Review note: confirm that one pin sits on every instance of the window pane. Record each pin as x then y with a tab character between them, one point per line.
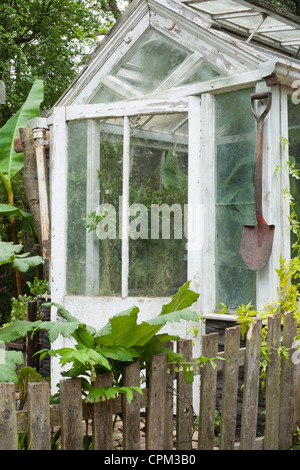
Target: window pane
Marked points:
202	74
110	179
76	196
158	175
95	154
235	159
294	157
105	95
156	58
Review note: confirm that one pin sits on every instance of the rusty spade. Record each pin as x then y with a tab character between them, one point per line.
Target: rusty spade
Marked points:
257	240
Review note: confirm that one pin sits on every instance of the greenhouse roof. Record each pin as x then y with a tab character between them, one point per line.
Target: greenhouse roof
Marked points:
255	21
189	47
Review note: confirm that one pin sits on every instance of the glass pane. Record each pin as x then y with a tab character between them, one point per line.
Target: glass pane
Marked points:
202	74
285	35
220	6
110	179
294	157
156	58
105	95
158	192
235	159
76	197
95	154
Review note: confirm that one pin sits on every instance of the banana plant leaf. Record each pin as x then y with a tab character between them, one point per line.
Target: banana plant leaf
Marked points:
10	161
172	177
27	219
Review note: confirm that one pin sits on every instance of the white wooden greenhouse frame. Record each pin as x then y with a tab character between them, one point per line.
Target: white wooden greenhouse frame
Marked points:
250	45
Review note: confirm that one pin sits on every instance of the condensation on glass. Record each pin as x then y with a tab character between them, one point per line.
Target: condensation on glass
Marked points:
235	159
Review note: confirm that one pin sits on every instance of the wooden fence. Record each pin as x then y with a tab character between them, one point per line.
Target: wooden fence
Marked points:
166	382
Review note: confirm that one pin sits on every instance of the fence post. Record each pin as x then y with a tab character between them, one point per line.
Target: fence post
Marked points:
184	414
230	387
169	408
273	383
102	416
38	416
71	414
8	417
208	383
251	386
31	343
156	402
131	411
286	423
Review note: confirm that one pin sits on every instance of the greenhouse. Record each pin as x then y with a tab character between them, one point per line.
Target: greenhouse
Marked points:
153	151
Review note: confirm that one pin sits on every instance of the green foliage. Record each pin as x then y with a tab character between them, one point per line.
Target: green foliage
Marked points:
10	253
26	375
48	40
10	161
288	274
8	361
121	341
293	6
37	289
172	176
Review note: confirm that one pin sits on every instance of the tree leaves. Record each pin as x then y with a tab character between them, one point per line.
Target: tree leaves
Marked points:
10	161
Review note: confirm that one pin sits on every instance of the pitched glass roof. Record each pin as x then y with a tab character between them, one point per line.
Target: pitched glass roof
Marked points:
255	21
156	64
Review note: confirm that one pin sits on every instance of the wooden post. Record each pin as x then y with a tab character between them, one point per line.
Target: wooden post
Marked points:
8	417
230	387
184	414
38	407
102	416
31	342
286	423
273	383
71	414
208	383
38	126
131	411
156	402
169	408
251	386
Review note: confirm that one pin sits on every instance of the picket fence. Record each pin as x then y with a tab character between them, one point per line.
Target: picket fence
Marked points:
165	384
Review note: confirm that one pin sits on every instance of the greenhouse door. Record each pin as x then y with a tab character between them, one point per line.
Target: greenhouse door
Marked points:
126	206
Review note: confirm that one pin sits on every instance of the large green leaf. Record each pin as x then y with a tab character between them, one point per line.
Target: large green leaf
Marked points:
184	298
55	329
26	217
10	161
147	330
119	330
25	262
9	254
8	361
185	314
17	330
8	251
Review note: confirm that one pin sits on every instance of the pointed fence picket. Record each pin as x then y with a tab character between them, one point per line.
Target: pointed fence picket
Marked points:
158	400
